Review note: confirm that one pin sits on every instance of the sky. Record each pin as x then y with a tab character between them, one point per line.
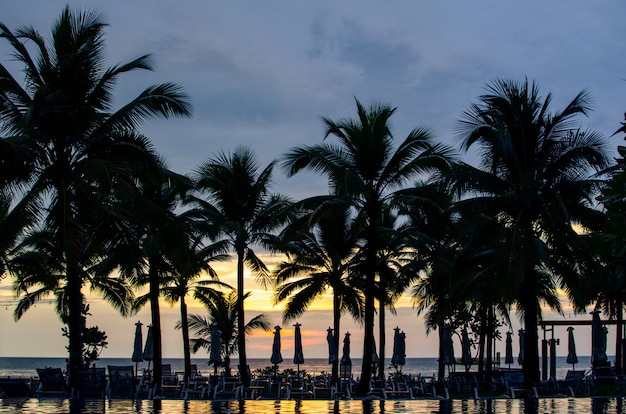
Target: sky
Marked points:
262	74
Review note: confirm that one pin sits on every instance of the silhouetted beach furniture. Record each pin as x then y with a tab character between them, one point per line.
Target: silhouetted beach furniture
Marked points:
298	388
14	388
90	383
197	387
51	382
228	388
171	385
121	382
573	380
603	376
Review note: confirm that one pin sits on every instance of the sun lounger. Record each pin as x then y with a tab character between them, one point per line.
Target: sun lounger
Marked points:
90	383
51	382
14	388
121	382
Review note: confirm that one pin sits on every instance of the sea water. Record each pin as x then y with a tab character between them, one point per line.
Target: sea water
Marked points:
26	367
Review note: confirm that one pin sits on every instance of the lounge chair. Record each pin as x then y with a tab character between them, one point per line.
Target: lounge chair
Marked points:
604	376
121	382
90	383
14	388
51	382
228	389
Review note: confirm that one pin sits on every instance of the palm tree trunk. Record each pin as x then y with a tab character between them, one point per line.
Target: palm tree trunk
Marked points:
155	311
618	336
441	367
241	325
531	339
363	387
489	340
336	327
381	337
75	323
481	351
185	329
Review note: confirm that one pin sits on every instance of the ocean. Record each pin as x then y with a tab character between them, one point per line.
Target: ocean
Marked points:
26	367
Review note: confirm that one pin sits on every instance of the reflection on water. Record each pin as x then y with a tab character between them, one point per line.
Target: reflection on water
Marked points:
560	405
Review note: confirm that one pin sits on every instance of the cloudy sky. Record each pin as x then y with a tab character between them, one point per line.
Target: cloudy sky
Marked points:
261	74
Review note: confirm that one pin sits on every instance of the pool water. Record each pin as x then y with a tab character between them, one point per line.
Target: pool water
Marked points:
559	405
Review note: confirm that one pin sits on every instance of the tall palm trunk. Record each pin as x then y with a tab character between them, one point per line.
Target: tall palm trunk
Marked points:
75	325
489	342
619	369
185	329
71	241
381	337
336	327
155	311
363	387
241	322
441	366
531	344
481	351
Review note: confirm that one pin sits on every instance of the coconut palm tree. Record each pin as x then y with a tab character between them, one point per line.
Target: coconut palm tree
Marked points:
535	174
76	143
608	287
321	259
240	208
431	231
176	286
223	311
364	169
158	244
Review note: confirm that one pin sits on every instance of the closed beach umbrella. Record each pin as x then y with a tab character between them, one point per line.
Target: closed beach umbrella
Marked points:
138	344
148	348
215	356
520	357
345	356
399	348
466	350
332	350
508	352
375	359
572	358
598	341
448	346
298	356
276	358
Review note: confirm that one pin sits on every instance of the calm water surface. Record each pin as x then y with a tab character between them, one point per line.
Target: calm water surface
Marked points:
562	405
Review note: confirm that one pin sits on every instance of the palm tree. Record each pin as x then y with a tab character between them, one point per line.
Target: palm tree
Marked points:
159	242
609	285
184	280
241	208
75	144
431	231
392	282
321	259
223	311
365	169
535	176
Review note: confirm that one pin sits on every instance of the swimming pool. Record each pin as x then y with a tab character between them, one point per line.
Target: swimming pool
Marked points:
515	406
